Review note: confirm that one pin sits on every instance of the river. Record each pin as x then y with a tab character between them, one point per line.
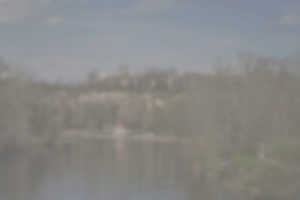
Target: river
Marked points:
104	170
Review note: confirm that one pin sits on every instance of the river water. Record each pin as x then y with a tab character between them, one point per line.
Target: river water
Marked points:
104	170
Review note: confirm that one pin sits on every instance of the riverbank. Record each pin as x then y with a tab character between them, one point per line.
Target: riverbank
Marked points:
74	135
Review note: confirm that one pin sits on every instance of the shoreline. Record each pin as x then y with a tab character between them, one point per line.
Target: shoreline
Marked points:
68	136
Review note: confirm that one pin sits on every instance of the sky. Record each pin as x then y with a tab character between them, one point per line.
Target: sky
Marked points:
67	39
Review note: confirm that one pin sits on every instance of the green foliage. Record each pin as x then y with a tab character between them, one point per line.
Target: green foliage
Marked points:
244	125
277	176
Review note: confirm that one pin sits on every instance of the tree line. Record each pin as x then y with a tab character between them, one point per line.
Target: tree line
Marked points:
243	117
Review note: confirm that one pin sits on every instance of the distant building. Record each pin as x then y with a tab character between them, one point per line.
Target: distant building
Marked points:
119	130
4	74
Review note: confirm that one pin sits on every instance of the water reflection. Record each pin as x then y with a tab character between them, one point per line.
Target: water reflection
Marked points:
108	170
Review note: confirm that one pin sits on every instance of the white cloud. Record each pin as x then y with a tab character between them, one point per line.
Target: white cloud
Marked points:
14	11
292	16
289	19
54	21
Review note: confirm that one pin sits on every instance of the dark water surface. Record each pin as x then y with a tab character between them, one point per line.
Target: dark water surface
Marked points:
104	170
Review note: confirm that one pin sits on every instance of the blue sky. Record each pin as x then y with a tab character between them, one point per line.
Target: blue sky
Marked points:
68	38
